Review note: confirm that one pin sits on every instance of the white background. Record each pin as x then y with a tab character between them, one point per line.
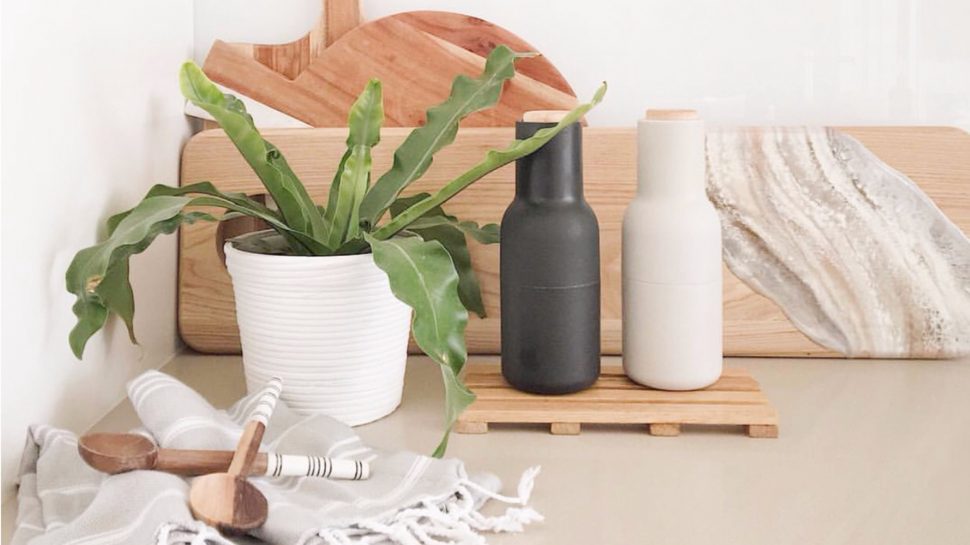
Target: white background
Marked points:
92	117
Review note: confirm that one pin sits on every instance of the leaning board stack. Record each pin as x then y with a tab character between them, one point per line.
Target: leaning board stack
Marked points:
936	158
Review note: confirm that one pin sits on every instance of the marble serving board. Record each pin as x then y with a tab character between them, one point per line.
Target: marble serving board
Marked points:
897	291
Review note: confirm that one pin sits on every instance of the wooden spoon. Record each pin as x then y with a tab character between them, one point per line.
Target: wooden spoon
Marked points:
228	501
114	453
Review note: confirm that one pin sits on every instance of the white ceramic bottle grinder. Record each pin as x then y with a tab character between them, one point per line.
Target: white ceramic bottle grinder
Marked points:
672	302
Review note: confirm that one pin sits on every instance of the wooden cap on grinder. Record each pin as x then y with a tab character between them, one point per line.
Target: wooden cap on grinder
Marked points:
672	115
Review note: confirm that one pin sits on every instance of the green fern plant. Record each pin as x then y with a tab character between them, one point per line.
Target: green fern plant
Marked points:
422	249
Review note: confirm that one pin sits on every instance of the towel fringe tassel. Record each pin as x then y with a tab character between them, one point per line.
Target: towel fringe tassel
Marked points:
191	533
455	521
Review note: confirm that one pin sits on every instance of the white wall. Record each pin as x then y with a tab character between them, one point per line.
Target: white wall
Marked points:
739	61
91	118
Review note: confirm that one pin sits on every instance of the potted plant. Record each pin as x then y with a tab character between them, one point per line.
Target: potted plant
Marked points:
337	282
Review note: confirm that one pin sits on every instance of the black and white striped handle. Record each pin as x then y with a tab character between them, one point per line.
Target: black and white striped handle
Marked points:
286	465
266	403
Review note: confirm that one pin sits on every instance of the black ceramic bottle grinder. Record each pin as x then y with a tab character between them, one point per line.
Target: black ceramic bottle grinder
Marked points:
550	274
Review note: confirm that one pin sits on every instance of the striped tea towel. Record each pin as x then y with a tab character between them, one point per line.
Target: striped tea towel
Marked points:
409	499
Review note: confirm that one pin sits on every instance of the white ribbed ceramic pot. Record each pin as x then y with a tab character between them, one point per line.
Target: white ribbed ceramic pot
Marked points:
328	326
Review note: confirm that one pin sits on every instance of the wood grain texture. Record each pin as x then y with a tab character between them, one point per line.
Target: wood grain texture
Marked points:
117	452
340	17
227	500
247	449
664	430
415	54
763	431
471	427
936	158
291	59
120	452
202	462
565	428
735	400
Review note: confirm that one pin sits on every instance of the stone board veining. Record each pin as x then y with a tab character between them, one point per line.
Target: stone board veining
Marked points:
854	253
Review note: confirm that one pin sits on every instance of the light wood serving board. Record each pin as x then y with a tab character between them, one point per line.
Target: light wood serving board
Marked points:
936	158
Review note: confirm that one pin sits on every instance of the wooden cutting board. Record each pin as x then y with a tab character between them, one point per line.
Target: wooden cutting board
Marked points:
415	54
290	59
936	158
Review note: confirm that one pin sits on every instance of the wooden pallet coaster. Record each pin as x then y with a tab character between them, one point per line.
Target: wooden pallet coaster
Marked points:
735	399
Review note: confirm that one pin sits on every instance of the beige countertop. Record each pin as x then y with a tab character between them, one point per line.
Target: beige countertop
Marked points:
870	452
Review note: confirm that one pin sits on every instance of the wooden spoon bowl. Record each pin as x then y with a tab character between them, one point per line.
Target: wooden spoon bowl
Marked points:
117	452
228	502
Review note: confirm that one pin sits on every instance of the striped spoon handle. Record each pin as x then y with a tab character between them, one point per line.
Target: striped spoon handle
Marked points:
266	403
287	465
252	434
203	462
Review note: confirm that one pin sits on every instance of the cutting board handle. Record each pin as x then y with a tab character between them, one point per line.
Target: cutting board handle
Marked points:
339	17
290	59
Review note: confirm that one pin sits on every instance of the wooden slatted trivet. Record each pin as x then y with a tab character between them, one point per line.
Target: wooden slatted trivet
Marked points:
735	399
